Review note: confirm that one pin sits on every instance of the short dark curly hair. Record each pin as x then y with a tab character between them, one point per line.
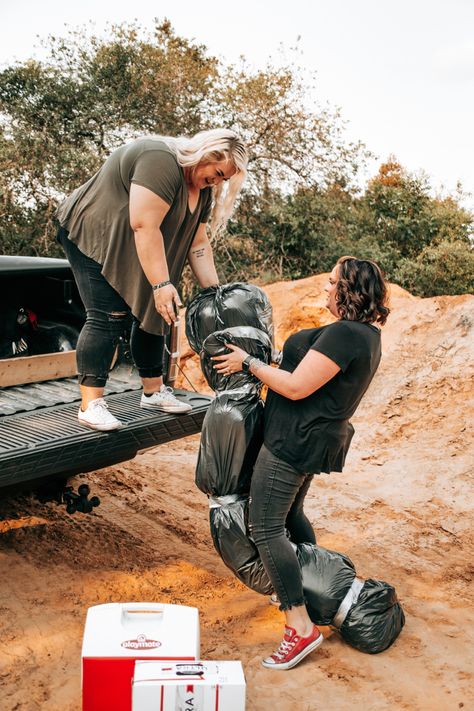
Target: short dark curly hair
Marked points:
361	291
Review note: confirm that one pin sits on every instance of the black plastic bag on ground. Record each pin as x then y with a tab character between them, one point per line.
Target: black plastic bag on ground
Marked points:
327	576
219	307
372	619
375	620
231	438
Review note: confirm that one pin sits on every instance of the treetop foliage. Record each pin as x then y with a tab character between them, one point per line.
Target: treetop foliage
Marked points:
60	118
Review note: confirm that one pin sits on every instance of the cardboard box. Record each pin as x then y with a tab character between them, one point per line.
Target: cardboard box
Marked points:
201	686
118	634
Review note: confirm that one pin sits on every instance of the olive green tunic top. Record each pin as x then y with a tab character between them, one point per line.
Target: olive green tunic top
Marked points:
96	215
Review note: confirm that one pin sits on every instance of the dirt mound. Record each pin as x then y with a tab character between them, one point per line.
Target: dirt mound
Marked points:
401	510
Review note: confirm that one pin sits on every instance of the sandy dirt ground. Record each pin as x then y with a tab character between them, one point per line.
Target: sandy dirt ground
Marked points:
402	511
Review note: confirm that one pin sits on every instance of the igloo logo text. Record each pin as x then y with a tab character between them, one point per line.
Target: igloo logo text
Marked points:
141	642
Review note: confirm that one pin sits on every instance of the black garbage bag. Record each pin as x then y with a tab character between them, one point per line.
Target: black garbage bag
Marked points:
236	547
231	438
232	431
368	614
253	340
50	337
370	622
375	620
327	576
228	305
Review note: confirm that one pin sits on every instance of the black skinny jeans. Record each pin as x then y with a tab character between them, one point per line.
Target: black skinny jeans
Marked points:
107	319
277	494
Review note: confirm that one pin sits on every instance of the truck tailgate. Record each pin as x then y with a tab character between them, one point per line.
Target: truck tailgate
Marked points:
46	439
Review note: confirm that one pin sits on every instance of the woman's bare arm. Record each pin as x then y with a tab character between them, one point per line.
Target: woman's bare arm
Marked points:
201	259
314	371
147	211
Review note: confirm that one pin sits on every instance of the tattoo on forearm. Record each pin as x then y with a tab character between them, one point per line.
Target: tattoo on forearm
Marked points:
198	252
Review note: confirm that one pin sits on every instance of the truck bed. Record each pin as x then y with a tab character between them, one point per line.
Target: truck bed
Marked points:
40	435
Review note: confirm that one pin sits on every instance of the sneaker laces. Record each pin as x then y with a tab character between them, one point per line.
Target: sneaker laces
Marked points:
168	394
99	405
286	645
101	409
166	390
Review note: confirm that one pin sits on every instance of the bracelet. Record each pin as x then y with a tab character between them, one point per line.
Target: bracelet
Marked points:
256	364
162	283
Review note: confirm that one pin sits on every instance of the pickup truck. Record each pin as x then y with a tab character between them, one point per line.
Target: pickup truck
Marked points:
41	315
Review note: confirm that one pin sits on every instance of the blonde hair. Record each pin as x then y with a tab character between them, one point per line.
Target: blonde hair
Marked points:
214	145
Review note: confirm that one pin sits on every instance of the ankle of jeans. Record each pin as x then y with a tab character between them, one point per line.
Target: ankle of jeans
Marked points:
150	372
92	381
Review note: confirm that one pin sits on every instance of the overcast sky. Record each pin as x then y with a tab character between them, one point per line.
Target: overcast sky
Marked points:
401	72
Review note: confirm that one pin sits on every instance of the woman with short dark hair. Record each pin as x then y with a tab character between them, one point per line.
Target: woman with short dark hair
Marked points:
322	377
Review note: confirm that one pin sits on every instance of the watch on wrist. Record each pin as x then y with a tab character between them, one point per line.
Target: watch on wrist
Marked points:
246	363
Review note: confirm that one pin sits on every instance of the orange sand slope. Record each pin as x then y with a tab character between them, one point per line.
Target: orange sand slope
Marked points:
401	510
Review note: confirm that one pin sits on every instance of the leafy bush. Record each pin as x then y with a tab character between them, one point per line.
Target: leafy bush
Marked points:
444	268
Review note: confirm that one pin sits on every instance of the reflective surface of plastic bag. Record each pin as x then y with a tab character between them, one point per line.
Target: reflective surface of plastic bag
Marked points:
375	620
252	340
327	576
236	547
225	306
231	437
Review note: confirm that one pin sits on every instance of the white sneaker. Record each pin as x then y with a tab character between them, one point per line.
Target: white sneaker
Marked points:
165	401
98	417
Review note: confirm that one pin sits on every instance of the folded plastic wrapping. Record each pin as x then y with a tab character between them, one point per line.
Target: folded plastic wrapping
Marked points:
327	576
228	305
236	547
252	340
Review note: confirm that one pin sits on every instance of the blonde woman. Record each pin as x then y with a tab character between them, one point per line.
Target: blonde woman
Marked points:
127	233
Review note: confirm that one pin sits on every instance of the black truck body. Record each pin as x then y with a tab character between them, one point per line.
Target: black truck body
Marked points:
41	315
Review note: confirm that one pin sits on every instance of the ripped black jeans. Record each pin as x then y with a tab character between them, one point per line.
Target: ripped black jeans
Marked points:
277	494
107	318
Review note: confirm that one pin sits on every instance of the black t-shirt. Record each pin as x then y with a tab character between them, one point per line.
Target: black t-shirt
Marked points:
313	434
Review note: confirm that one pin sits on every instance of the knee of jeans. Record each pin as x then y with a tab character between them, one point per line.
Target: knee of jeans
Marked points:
263	530
118	316
107	320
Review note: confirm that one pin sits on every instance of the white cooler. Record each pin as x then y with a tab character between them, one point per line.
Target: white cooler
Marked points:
200	686
118	634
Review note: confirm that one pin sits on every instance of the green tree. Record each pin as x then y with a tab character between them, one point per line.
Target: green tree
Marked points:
291	142
396	222
398	209
61	118
446	267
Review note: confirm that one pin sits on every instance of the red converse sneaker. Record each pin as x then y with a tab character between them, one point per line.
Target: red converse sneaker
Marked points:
293	649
